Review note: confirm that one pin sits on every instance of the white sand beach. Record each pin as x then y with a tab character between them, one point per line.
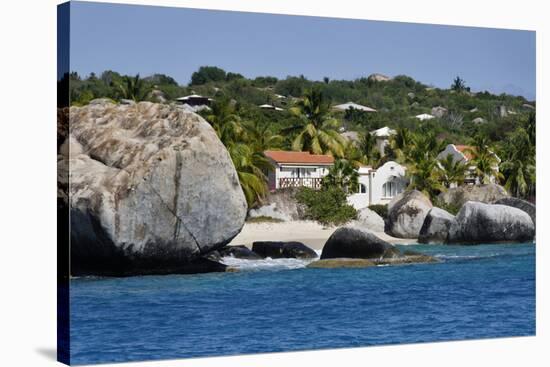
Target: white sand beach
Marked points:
310	233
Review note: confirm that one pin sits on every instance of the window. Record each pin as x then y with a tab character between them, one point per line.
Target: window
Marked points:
389	189
362	188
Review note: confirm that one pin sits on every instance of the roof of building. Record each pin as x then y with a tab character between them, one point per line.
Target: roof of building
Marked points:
466	150
270	107
281	156
192	96
383	132
424	116
356	106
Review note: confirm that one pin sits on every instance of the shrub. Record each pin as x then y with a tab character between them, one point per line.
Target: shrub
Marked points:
451	208
327	206
380	209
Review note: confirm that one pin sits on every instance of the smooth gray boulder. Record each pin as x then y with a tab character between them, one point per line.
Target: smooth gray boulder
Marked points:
526	206
354	242
483	193
406	214
369	219
151	188
281	249
479	222
436	226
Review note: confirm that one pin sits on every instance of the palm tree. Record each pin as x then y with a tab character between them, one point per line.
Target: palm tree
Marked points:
485	161
342	175
250	167
520	177
518	167
367	147
226	122
401	143
425	176
452	171
316	129
134	88
261	136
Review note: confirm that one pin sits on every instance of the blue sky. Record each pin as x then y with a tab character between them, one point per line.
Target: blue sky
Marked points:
176	41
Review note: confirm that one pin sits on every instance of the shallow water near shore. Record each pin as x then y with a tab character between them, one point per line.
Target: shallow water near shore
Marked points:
481	291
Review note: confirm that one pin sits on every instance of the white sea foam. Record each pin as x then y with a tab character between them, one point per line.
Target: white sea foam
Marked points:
266	264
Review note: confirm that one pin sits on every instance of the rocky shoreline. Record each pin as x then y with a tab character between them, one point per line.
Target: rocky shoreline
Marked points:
139	204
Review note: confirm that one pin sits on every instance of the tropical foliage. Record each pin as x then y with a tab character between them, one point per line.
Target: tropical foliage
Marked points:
306	122
316	130
343	176
327	206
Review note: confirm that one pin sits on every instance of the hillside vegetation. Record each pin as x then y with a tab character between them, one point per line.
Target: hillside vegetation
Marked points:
503	124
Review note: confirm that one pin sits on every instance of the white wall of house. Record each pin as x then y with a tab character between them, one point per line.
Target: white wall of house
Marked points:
379	186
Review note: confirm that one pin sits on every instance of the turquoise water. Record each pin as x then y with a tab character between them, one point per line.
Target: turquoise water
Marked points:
480	291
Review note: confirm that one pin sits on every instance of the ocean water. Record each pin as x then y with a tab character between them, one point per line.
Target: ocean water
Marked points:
482	291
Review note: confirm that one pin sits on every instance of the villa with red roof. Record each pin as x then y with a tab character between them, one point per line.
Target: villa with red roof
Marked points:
464	153
303	169
296	169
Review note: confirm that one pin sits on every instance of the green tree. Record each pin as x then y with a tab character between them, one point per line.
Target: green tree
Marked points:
342	175
250	167
459	84
207	74
134	88
452	171
485	160
316	128
225	120
425	176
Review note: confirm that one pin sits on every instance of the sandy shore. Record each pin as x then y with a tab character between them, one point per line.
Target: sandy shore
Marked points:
310	233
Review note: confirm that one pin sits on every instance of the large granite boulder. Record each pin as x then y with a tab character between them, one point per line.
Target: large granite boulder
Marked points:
482	193
369	219
151	188
355	242
280	249
526	206
436	226
479	222
406	214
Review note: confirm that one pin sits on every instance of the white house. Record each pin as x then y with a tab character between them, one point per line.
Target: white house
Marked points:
463	153
296	169
355	106
425	116
269	107
303	169
379	186
383	138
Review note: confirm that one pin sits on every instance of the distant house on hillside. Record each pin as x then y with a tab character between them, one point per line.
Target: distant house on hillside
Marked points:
379	186
424	116
464	153
195	100
346	106
382	136
270	107
297	169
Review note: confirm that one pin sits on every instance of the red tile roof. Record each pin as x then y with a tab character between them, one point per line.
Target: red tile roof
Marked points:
466	150
281	156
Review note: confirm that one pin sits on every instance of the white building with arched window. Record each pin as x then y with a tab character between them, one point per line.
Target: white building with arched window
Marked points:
379	186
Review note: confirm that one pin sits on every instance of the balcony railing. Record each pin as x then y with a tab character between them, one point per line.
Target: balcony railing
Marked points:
314	183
